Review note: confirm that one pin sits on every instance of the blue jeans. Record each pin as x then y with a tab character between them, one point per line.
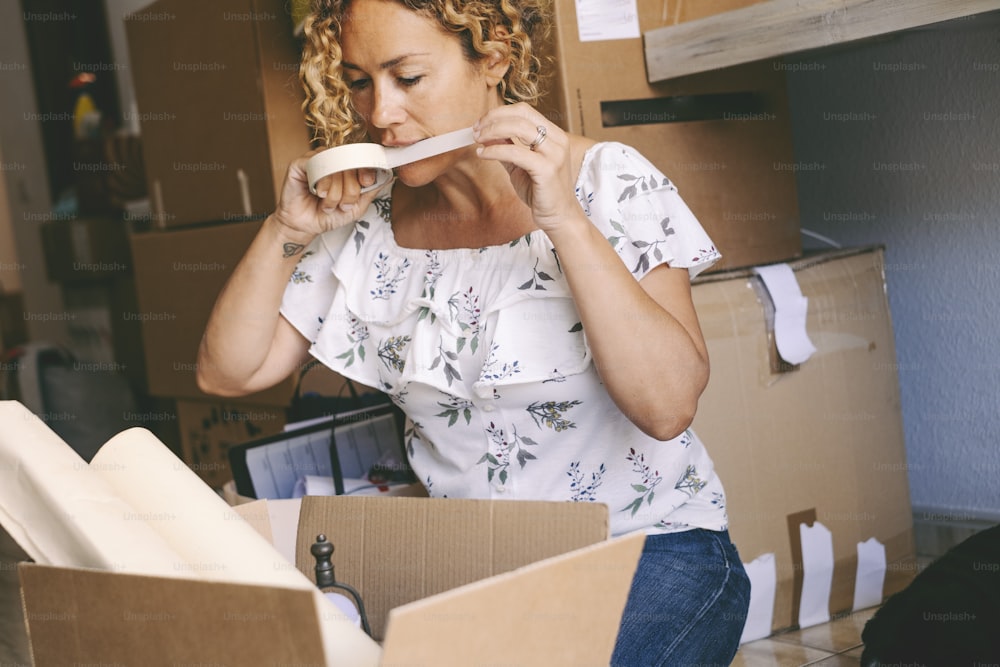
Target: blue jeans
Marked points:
687	605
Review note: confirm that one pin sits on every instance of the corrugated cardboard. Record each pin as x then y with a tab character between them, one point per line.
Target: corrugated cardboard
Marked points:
564	609
90	617
680	11
821	440
561	611
397	550
178	275
219	104
737	173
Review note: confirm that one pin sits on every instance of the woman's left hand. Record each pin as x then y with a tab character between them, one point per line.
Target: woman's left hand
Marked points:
537	156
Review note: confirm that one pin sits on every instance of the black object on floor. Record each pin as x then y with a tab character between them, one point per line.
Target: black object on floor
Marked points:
948	616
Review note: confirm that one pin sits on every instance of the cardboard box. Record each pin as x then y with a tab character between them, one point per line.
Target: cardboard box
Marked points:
219	104
459	580
178	276
724	138
209	428
681	11
819	441
179	273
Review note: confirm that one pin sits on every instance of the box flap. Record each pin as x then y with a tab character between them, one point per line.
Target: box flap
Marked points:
564	610
397	550
256	513
77	616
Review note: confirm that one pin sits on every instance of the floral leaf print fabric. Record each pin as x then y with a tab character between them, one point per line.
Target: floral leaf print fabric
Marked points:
446	359
495	370
583	488
551	414
498	456
389	275
638	224
486	353
356	336
690	483
465	310
537	280
454	408
646	487
300	275
390	351
431	275
647	183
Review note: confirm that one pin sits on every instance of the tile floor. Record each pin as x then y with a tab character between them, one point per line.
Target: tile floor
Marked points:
833	644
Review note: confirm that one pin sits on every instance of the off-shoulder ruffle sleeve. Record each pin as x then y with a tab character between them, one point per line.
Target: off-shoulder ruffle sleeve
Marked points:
311	288
453	319
641	213
471	321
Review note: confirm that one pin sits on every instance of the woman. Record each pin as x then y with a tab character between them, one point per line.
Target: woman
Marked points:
525	300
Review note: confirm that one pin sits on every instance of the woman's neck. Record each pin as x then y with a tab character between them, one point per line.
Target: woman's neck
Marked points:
472	205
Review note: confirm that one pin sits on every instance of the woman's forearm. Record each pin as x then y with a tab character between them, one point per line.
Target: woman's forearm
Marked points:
644	337
245	346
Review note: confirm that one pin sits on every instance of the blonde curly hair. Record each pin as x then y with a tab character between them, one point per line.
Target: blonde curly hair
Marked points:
477	23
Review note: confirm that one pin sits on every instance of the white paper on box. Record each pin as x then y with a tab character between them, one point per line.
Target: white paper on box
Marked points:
284	517
208	533
61	512
817	574
790	309
763	573
870	575
599	20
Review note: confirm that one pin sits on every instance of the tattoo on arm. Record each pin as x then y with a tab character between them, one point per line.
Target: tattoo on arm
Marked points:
291	249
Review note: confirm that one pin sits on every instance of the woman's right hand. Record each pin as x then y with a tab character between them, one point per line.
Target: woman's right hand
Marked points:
338	202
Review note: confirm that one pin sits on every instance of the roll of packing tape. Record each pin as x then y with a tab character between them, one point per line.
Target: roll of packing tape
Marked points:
380	158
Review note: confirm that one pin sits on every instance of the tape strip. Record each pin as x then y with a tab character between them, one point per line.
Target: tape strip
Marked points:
381	158
790	311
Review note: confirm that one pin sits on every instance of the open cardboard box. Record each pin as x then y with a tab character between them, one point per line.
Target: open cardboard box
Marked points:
445	582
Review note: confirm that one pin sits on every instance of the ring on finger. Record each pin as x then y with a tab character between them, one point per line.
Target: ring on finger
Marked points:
539	138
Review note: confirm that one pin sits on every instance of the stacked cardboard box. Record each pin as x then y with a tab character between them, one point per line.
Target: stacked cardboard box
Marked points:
219	104
724	138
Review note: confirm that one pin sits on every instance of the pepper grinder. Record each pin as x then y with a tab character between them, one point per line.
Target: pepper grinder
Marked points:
322	551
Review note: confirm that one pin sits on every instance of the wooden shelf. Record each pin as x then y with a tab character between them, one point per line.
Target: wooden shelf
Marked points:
778	27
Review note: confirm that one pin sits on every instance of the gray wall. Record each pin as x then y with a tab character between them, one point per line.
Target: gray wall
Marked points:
906	135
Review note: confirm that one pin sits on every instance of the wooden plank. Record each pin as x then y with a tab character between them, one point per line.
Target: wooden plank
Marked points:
779	27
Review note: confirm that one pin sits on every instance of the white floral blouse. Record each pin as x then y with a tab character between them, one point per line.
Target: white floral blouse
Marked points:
484	351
